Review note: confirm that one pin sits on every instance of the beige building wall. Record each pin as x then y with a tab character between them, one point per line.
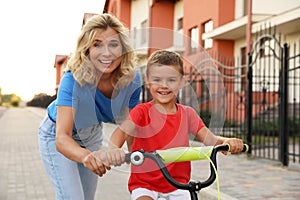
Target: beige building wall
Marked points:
139	17
273	7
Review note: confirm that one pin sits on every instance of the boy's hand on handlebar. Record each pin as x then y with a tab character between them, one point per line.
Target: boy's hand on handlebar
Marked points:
236	145
97	162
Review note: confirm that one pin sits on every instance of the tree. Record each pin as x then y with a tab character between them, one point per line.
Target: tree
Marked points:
41	100
15	100
10	100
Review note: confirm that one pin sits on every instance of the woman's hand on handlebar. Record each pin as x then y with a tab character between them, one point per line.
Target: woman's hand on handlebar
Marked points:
100	161
115	156
236	145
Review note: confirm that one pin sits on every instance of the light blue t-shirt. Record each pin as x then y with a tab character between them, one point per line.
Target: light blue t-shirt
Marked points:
91	105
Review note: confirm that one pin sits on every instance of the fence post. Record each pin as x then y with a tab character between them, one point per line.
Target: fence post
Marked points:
249	104
283	115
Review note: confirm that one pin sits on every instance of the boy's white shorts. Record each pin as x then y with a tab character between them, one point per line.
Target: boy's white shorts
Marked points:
175	195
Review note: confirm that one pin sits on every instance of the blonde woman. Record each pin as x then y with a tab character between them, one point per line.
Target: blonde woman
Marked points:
99	85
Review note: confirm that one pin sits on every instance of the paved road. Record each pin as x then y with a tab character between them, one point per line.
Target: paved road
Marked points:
22	176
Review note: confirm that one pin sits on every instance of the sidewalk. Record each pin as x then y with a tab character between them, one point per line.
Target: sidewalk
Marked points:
22	175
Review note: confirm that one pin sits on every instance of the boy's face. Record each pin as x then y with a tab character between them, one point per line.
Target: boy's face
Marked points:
164	82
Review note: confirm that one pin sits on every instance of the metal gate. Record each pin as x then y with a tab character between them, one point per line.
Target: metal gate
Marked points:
273	100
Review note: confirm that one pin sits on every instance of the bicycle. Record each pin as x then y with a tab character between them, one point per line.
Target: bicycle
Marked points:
180	154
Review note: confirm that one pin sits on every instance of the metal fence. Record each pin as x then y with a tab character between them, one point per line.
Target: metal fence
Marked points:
291	105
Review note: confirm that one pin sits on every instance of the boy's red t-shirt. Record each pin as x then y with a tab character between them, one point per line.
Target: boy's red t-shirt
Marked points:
157	131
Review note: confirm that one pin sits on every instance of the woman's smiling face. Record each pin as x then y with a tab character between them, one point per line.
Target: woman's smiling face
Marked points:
106	50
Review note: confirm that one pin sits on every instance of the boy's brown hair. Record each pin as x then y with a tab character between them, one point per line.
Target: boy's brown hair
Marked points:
165	57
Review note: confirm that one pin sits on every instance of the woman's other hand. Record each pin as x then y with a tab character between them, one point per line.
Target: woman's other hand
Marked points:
97	162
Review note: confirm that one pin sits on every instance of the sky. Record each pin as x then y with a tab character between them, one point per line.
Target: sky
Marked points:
32	33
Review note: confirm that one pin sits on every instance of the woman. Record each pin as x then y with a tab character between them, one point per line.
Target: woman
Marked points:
99	85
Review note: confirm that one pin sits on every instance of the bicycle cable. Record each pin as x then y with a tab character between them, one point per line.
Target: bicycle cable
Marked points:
217	176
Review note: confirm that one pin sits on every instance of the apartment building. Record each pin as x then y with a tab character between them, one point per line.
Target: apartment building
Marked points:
214	24
191	26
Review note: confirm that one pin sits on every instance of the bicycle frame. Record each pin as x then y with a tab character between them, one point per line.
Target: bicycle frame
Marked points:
181	154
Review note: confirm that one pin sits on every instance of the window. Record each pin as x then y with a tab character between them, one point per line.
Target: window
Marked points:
266	47
194	42
207	27
144	32
178	36
244	69
245	7
179	24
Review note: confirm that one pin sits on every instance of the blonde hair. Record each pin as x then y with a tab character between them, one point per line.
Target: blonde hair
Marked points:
79	63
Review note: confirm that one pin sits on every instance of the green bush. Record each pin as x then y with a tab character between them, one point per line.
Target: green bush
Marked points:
272	126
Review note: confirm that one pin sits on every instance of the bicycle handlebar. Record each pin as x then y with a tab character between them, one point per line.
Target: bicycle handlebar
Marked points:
180	154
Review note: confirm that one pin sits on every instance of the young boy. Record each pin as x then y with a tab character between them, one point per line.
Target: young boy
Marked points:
162	124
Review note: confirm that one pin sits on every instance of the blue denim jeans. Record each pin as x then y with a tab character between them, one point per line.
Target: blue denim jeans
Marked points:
71	180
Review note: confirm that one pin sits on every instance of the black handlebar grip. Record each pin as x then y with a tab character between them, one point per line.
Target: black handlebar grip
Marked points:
127	158
246	148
